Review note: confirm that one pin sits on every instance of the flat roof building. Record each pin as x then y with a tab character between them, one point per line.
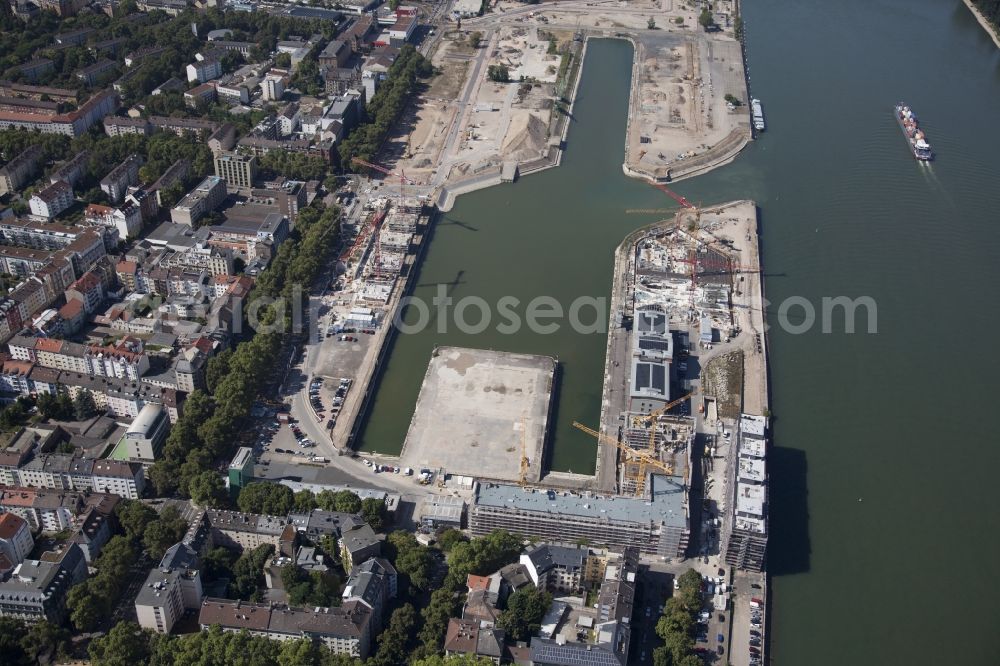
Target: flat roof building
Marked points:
656	525
237	169
744	538
241	468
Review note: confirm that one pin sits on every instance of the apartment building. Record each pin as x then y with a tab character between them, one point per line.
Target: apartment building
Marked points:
170	589
123	360
18	172
52	200
92	74
745	532
236	169
125	219
555	568
343	630
36	590
204	70
122	177
72	170
73	123
206	197
15	539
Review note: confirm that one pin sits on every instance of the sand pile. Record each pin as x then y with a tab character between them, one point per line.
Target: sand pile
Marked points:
526	137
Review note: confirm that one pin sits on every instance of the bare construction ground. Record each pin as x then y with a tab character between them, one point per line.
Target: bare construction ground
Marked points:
681	122
477	409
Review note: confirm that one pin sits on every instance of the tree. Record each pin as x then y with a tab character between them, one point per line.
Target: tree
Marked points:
164	532
481	555
86	607
127	644
84	406
346	502
524	612
373	511
680	646
705	19
207	489
450	538
498	73
393	642
134	516
218	367
304	501
13	415
266	497
283	60
475	39
53	406
248	572
12	632
661	657
444	605
410	558
651	23
218	563
452	660
689	588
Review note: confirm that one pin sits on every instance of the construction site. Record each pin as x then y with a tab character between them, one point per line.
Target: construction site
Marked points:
383	241
482	414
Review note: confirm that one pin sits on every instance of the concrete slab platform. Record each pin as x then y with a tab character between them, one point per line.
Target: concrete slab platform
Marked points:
474	409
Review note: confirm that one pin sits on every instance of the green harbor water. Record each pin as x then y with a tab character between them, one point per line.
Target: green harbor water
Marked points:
883	504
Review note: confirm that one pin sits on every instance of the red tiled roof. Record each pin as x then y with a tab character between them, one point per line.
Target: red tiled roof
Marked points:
72	309
48	345
9	525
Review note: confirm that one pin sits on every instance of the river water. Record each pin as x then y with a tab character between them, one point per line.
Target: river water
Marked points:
883	493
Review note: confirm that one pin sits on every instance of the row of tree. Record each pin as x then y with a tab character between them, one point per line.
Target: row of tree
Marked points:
381	112
210	425
278	500
677	623
129	645
57	406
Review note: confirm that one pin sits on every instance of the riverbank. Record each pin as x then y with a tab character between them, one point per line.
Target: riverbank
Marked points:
991	30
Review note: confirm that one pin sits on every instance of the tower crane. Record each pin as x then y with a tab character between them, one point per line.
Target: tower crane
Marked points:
655	414
644	459
651	418
524	455
403	180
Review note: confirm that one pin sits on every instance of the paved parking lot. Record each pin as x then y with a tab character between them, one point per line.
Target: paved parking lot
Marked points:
748	586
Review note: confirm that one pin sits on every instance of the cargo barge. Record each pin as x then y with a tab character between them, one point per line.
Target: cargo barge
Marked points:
757	111
914	135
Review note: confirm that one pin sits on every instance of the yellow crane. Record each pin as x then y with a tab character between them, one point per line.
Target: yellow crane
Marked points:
641	457
652	416
524	454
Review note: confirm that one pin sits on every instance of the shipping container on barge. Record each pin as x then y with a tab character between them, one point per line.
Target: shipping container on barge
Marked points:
914	135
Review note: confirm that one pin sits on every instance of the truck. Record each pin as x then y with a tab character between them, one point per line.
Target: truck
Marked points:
320	459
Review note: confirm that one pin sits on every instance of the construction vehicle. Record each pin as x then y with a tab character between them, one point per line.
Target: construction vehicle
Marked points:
641	457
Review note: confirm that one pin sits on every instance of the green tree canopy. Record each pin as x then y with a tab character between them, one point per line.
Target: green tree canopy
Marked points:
524	612
266	497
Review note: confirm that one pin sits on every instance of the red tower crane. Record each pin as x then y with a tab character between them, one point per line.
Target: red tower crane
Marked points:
403	180
676	197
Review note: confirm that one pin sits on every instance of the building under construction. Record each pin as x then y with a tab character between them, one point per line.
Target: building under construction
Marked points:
744	537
